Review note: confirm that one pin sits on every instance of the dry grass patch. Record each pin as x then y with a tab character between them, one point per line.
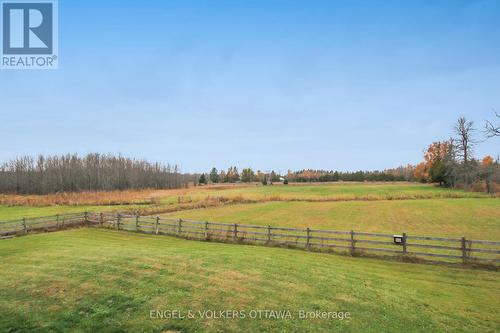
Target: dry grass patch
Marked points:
102	198
81	198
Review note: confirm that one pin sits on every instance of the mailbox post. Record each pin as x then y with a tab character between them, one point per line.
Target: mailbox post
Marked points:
399	239
405	250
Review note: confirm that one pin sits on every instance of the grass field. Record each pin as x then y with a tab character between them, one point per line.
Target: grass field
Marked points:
150	201
473	218
371	207
340	191
100	280
89	280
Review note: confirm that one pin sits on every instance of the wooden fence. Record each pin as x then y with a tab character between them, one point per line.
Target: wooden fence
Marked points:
45	223
352	242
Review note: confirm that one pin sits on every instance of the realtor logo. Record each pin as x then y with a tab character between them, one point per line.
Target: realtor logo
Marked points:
29	34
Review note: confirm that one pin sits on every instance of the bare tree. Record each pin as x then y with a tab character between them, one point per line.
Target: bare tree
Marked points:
490	129
94	172
464	145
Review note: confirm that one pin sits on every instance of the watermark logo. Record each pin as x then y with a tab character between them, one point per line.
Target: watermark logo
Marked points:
29	34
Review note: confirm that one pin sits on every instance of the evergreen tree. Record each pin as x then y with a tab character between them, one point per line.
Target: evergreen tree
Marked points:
214	176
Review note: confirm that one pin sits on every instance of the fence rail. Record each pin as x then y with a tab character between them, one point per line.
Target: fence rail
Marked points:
352	242
44	223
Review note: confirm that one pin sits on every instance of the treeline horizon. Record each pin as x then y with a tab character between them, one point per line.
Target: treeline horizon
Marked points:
46	174
248	175
92	172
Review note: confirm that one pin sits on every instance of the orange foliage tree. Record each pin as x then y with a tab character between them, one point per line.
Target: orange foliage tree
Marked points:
434	166
487	161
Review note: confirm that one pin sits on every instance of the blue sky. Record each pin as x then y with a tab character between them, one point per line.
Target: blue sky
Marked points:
269	84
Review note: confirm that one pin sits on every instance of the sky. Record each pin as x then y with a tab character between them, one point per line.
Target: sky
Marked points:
267	84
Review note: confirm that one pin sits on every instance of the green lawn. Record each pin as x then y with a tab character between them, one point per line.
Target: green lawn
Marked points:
346	191
89	280
473	218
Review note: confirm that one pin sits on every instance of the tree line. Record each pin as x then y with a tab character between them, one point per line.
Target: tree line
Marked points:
449	163
93	172
233	175
398	174
247	175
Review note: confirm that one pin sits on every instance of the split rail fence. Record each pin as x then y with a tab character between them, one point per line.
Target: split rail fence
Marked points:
352	242
46	223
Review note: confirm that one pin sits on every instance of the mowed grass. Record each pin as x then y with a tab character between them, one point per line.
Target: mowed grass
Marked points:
473	218
90	280
340	191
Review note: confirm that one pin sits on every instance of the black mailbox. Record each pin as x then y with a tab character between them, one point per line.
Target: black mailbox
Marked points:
399	239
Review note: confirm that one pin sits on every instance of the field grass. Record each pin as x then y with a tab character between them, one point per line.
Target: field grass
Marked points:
320	191
339	191
473	218
89	280
377	207
82	198
8	213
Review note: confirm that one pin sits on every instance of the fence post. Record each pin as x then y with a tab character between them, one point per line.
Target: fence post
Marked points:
405	250
157	224
101	219
308	242
269	234
180	227
57	221
118	217
137	222
24	226
86	218
464	250
235	232
206	230
353	243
